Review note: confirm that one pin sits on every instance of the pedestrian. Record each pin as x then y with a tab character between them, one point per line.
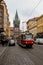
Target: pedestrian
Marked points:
2	42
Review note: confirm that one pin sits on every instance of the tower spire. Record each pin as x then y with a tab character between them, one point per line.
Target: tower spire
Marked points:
16	17
16	24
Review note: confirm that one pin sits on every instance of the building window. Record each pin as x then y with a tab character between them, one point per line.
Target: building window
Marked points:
1	15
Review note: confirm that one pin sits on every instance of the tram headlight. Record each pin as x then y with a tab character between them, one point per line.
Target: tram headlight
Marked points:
26	42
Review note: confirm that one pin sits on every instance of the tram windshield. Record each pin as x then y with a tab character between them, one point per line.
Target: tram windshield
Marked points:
27	36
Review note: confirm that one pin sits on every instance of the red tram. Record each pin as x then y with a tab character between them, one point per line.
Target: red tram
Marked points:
25	40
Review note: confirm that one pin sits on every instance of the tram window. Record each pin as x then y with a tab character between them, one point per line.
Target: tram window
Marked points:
29	37
23	37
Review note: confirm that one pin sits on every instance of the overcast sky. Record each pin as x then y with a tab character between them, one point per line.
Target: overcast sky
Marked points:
26	9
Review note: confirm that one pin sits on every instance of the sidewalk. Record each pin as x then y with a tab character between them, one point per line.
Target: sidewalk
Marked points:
2	49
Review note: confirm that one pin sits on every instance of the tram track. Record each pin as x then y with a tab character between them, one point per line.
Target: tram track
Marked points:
35	55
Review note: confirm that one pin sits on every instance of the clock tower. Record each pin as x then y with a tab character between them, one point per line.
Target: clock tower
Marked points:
16	23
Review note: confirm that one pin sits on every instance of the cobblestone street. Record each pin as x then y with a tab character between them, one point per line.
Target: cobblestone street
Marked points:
16	55
21	32
2	49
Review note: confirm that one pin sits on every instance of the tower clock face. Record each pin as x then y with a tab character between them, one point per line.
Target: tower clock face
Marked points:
1	0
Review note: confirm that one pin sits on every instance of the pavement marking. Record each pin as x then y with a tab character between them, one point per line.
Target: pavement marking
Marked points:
2	51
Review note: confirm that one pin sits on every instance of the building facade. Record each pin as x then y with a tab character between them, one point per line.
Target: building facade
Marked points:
32	26
4	18
35	25
11	31
16	23
40	24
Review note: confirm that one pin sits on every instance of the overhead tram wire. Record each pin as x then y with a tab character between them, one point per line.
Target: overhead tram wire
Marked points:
35	8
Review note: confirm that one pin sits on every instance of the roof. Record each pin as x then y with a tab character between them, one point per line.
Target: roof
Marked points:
35	19
16	17
40	17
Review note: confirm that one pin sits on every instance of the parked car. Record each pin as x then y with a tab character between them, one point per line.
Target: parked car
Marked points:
11	42
39	38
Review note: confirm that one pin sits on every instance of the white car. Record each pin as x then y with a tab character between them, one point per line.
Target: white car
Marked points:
39	40
11	42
